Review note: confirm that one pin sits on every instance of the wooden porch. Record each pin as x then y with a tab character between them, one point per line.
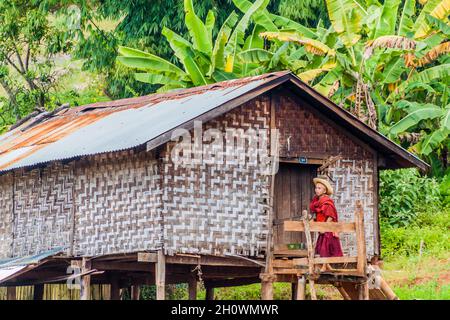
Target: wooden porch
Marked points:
353	276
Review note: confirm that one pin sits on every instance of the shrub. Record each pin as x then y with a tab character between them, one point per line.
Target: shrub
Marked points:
404	193
430	227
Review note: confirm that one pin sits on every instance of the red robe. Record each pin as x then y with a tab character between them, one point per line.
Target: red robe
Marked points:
327	244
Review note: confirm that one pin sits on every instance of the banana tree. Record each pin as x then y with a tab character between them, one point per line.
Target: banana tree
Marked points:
202	59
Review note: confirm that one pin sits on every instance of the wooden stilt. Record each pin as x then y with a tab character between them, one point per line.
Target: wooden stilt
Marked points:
310	248
192	288
115	288
11	293
38	292
267	290
386	289
360	239
363	291
209	293
85	293
342	291
312	290
294	286
160	276
135	292
301	288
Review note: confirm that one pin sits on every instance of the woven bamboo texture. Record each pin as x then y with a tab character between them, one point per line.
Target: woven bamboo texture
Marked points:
43	200
220	208
118	202
6	215
130	201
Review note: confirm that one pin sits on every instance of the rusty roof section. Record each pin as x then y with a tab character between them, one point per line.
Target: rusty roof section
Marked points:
127	123
31	142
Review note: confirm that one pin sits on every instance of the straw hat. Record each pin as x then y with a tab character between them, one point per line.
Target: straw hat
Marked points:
323	180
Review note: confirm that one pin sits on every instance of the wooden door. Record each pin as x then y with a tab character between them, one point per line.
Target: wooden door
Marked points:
293	192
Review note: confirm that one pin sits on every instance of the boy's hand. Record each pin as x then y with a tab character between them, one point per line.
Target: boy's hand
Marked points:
335	234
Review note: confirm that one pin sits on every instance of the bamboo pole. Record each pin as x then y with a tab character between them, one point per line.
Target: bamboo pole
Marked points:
360	240
135	292
309	245
301	288
192	288
85	293
209	293
160	276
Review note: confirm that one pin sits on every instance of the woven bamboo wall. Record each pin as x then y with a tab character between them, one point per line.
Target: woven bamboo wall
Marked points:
353	175
6	215
118	201
130	201
219	209
42	209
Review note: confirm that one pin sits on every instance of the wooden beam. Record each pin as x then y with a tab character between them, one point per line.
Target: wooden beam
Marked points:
267	286
135	292
320	226
342	291
38	292
85	293
360	239
192	288
386	289
301	288
160	276
123	266
11	293
310	248
294	286
319	260
115	288
209	293
231	282
363	291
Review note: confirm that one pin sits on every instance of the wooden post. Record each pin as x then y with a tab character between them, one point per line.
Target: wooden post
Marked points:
363	291
209	293
294	286
85	293
301	288
160	276
115	288
266	286
192	288
38	292
386	289
11	293
360	239
310	248
342	291
135	292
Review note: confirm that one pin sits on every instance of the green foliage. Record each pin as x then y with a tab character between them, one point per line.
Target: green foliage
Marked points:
30	36
404	193
430	290
377	60
405	241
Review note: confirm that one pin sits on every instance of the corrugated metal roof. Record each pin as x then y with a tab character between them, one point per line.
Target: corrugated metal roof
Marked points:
115	125
31	259
11	267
